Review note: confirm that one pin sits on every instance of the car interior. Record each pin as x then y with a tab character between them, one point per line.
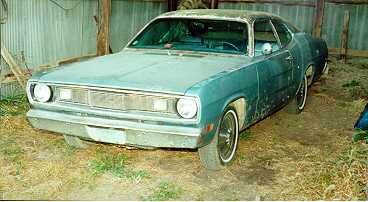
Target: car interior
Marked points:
263	33
199	35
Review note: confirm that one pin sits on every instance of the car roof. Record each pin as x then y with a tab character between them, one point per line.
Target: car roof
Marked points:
220	14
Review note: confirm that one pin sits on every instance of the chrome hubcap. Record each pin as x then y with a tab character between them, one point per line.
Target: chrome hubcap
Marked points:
300	97
227	136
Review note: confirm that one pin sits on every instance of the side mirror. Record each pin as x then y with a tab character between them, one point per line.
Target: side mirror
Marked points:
266	49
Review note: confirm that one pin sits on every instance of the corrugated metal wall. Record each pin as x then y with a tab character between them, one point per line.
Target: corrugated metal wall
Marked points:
303	18
129	16
358	25
43	31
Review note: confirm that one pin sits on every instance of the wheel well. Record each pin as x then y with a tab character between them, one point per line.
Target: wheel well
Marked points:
239	106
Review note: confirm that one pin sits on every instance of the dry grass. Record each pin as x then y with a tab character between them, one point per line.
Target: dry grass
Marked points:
344	177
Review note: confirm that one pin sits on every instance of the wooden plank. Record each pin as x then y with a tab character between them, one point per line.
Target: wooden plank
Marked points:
318	18
284	3
347	1
73	59
214	4
49	66
350	52
345	36
103	34
172	5
22	80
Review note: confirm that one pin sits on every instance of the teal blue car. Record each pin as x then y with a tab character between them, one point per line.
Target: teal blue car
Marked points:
189	79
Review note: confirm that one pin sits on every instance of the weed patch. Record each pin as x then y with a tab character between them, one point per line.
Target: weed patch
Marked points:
12	106
245	135
361	135
243	158
117	165
164	192
137	176
352	84
106	162
13	155
275	139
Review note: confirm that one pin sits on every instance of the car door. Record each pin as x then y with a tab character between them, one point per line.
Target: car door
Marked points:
274	69
286	39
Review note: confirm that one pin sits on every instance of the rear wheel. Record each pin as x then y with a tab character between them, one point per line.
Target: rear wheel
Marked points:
298	103
223	146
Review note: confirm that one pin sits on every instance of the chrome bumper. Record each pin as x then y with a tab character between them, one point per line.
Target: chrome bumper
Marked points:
115	130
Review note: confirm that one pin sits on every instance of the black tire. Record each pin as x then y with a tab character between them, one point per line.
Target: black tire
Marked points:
215	155
297	104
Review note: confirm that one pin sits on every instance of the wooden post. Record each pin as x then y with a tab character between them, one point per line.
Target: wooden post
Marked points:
214	4
318	18
22	80
172	5
103	33
348	1
345	36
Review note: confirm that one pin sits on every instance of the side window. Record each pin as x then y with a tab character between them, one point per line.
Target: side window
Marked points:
283	32
263	33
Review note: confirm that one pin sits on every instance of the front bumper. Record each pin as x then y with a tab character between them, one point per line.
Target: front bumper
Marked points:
117	131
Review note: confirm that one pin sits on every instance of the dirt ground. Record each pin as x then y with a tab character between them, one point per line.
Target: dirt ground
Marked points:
284	157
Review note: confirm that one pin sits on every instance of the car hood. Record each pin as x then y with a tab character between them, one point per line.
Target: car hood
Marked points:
144	70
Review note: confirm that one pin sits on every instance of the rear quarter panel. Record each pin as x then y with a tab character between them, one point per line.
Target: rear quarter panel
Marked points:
312	51
320	54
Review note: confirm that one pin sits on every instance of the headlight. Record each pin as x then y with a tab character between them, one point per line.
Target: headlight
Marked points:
42	92
187	108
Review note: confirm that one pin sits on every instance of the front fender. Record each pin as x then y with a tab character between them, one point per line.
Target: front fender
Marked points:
218	92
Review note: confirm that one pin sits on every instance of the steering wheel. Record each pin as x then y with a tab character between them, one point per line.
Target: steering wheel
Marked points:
227	44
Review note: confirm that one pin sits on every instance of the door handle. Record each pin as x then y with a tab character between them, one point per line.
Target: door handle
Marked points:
289	58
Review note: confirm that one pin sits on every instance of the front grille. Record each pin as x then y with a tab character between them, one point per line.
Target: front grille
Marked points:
116	100
107	100
80	96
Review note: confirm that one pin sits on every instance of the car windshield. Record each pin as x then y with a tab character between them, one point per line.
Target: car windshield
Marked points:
194	35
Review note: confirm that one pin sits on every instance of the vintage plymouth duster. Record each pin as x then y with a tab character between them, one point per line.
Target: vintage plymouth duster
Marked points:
188	79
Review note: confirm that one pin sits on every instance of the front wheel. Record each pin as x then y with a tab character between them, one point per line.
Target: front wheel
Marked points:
298	102
222	148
